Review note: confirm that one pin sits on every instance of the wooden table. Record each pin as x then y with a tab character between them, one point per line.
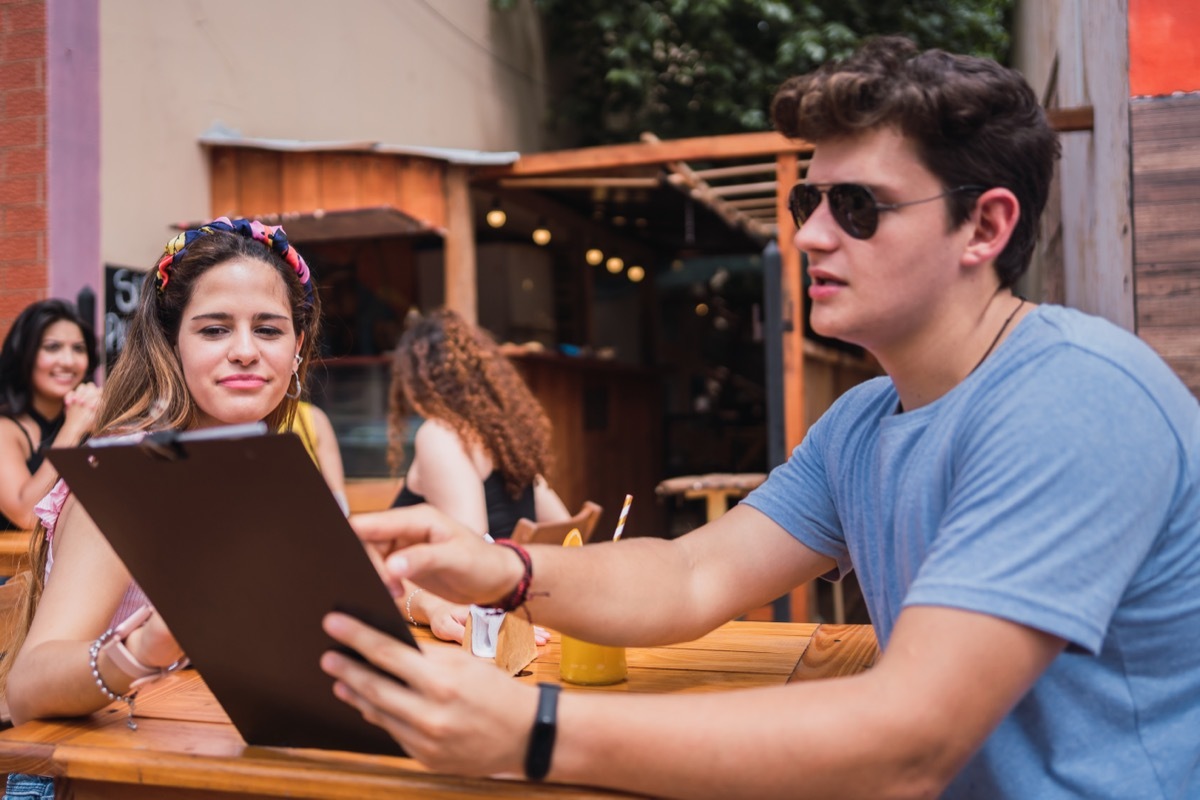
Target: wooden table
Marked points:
185	746
716	489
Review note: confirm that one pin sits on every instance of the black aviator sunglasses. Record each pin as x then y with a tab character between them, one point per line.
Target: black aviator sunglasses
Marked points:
853	205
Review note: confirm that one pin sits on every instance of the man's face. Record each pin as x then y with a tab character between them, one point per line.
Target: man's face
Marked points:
880	292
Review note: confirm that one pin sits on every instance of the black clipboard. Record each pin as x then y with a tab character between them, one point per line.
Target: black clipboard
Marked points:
236	539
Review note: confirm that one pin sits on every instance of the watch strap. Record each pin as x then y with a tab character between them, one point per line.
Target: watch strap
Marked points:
545	728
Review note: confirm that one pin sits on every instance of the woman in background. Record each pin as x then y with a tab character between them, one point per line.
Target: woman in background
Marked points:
483	446
46	399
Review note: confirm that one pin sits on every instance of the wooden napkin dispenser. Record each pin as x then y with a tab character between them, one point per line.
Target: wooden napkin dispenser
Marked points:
507	639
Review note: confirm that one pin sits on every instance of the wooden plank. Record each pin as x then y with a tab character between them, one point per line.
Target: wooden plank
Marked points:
1166	247
792	297
1172	343
261	182
300	184
706	148
339	180
225	183
421	190
837	651
1170	299
1164	118
460	247
378	180
1067	120
1164	156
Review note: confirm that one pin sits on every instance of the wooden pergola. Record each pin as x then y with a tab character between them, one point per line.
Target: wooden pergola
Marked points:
325	190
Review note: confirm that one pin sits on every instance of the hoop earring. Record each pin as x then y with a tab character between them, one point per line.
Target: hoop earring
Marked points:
295	373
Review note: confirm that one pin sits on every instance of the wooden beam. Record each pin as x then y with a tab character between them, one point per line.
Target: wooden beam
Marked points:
792	297
1066	120
461	291
707	148
739	171
580	182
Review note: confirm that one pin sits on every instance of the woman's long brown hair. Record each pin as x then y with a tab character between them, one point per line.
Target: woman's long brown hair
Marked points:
448	370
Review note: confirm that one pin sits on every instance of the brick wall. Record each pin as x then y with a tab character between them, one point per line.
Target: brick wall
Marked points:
23	122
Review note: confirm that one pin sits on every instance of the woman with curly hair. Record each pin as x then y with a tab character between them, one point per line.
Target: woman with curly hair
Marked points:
482	449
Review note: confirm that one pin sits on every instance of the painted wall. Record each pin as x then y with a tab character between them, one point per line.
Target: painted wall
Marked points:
416	72
1163	57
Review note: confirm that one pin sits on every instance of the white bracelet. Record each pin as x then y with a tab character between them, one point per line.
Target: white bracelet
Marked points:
94	663
408	606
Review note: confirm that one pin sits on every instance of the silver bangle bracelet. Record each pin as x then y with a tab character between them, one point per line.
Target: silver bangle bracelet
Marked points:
408	606
94	663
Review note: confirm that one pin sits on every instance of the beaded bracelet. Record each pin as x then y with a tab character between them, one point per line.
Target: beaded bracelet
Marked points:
94	663
521	593
112	642
408	607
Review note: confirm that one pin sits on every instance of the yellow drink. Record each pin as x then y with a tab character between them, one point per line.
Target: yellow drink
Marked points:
586	663
591	664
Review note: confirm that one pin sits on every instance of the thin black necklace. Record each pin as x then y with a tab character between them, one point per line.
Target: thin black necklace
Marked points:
999	333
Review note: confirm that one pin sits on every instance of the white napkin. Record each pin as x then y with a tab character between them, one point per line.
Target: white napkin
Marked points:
485	630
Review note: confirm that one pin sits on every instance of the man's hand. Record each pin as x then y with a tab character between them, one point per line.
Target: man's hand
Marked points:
423	545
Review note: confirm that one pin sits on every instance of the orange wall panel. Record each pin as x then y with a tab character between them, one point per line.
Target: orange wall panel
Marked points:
1164	46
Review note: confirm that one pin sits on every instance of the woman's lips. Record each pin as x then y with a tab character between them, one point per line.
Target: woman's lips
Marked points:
243	381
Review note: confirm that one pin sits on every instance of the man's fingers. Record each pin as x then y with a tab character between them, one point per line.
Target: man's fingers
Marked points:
381	650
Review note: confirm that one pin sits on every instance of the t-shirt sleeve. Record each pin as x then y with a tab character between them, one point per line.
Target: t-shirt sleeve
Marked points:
798	497
1054	504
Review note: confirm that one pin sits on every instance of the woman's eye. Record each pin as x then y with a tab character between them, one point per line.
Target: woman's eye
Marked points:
212	330
269	331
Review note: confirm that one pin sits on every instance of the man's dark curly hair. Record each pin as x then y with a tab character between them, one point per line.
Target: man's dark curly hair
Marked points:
973	121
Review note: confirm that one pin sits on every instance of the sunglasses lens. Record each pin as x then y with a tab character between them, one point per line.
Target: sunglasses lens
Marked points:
854	208
802	202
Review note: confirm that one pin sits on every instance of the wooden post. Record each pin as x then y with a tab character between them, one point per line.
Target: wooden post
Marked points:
792	296
461	288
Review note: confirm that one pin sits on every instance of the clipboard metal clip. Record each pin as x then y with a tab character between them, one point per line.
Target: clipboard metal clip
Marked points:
164	445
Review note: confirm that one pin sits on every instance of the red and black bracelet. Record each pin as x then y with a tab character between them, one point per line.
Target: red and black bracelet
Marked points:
520	594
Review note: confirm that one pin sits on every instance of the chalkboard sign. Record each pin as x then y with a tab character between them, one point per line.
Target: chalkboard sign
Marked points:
122	287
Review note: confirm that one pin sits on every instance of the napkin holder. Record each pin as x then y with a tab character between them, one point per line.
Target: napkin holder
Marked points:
507	639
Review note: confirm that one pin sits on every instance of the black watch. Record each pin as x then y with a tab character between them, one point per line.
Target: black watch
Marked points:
541	738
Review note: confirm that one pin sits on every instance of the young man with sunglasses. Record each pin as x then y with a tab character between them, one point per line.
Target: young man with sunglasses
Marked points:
1020	496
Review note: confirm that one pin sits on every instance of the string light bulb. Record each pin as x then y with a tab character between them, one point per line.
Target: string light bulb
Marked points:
614	264
636	273
495	216
541	234
594	256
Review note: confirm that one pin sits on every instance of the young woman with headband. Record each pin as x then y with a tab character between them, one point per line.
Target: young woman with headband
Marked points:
221	336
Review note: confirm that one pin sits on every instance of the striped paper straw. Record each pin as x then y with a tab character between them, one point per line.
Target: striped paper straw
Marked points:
621	519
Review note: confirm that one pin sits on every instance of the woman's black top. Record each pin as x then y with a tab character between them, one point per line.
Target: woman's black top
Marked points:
49	429
502	510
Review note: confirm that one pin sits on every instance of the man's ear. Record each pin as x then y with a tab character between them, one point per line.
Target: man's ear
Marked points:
993	222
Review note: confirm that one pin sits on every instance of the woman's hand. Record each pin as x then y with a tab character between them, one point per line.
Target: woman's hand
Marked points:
451	711
153	644
80	406
447	621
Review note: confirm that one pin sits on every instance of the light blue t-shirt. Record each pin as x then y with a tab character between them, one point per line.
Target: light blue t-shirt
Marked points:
1057	486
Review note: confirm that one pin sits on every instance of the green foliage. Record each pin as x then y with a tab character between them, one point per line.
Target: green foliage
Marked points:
703	67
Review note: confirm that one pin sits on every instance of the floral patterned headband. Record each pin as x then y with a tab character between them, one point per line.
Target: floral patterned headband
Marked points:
272	236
